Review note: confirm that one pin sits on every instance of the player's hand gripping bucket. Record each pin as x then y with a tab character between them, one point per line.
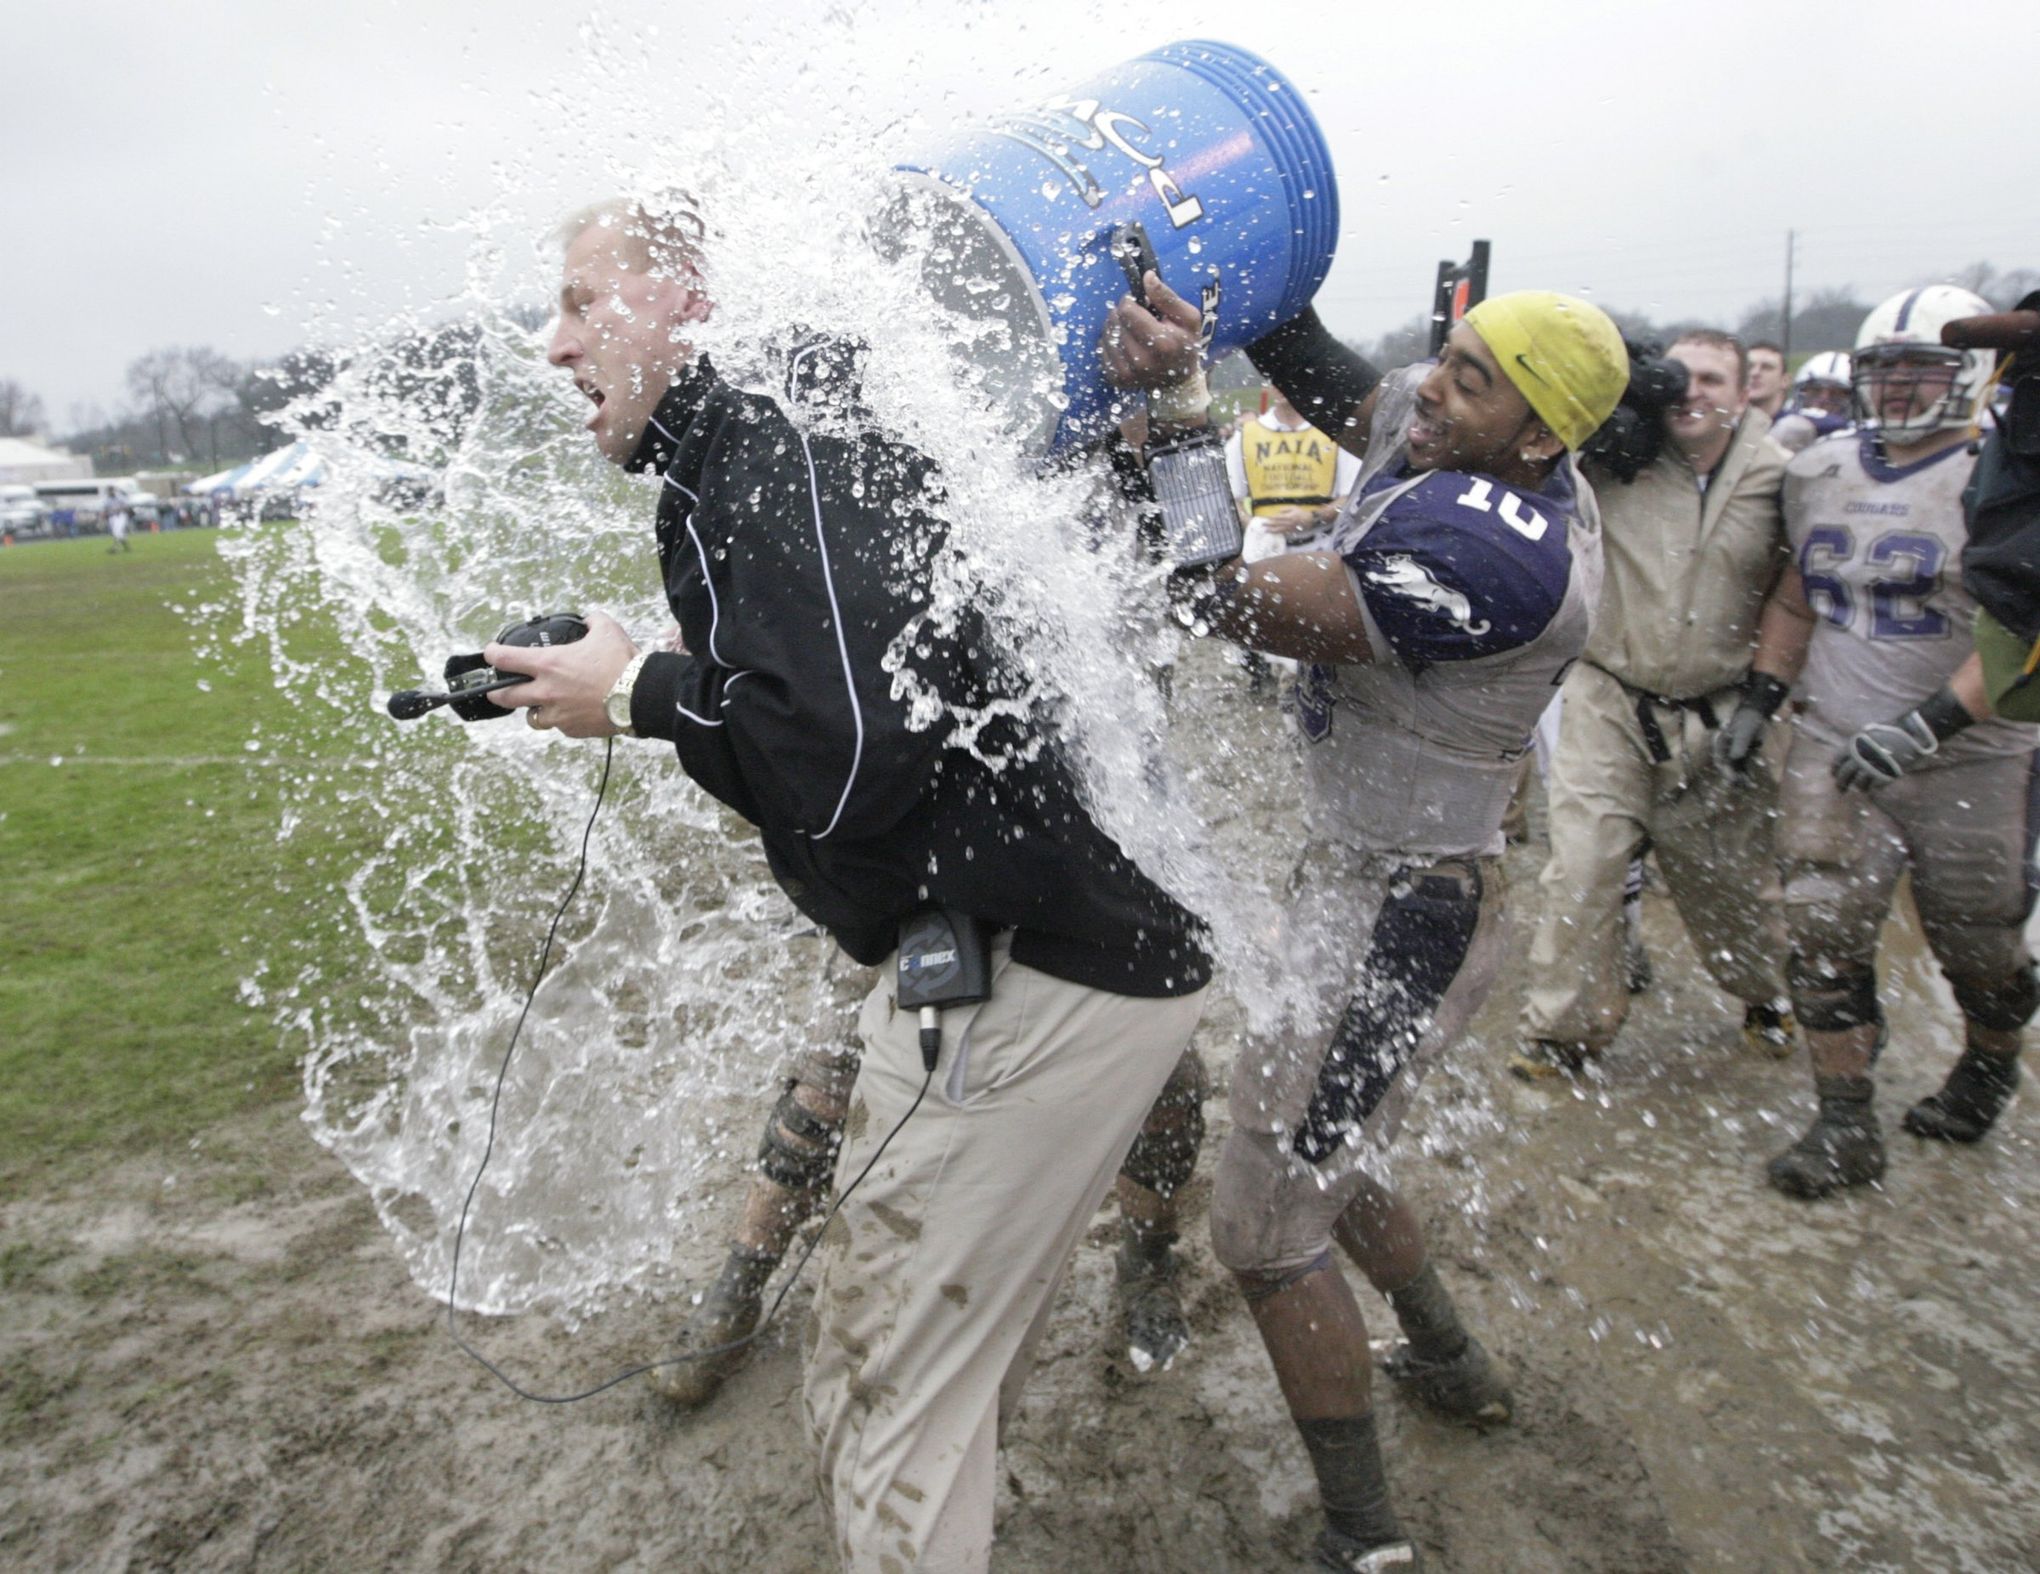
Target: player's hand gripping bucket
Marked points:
1205	145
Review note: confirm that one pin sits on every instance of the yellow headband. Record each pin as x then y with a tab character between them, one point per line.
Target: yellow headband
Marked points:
1564	355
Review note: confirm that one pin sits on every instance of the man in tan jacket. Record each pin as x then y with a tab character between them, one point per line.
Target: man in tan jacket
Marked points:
1692	546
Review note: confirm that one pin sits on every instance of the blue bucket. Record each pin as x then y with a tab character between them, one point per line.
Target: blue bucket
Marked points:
1205	145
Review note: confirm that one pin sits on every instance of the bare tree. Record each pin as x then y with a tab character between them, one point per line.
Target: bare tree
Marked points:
2004	288
180	388
21	412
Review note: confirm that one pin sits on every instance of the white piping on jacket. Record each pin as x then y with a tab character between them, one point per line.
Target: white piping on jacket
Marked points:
835	610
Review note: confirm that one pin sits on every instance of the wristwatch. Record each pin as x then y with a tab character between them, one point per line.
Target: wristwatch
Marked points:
617	705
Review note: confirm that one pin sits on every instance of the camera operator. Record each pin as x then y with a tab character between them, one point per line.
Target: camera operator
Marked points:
2001	563
1688	482
1454	588
795	541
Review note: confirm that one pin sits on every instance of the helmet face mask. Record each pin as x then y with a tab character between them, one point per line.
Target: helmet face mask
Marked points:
1824	385
1907	393
1907	385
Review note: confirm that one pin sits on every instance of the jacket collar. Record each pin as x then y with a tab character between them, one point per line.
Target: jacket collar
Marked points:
669	422
1744	447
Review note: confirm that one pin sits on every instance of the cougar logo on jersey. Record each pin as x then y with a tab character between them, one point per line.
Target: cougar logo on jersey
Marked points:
1408	578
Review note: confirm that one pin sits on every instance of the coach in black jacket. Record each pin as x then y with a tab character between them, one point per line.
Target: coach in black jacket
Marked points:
796	543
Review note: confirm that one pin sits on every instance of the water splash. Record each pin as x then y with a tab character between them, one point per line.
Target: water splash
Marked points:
638	1086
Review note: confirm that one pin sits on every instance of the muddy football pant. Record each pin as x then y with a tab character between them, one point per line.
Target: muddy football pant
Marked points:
1401	957
1965	831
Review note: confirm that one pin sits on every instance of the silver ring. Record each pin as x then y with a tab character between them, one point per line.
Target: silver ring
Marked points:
532	716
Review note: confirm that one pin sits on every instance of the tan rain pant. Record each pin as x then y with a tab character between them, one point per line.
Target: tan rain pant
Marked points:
1713	836
938	1274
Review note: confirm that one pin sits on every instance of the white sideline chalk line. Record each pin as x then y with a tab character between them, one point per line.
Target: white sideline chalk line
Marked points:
177	761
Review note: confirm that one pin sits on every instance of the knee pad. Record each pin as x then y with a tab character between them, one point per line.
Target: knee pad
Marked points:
1832	997
2002	1004
799	1150
1164	1155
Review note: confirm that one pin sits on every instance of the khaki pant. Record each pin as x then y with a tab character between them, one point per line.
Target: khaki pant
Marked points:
1713	836
938	1274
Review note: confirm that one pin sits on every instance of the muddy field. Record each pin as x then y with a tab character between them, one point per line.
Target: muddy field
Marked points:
212	1358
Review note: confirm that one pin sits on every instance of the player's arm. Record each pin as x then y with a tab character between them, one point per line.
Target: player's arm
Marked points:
1784	630
1301	605
1885	750
1154	346
1431	582
1967	686
1332	386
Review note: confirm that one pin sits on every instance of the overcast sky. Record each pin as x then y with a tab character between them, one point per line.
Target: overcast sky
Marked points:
244	174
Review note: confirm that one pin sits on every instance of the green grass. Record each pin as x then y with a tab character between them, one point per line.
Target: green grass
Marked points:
137	876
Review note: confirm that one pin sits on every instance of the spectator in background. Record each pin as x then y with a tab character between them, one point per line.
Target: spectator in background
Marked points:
1767	384
118	519
1289	478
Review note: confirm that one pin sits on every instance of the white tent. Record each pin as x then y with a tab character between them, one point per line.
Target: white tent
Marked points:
283	470
24	461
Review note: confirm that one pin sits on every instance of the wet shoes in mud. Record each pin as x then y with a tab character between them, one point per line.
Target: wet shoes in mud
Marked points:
1468	1387
1843	1146
1542	1059
1969	1102
1769	1030
720	1319
1347	1556
1151	1308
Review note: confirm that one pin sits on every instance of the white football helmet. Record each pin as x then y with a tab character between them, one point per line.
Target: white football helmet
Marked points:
1906	332
1830	366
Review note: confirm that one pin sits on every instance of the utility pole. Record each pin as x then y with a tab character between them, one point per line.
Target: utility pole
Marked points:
1791	242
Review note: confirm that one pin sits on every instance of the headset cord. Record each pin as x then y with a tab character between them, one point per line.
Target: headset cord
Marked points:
489	1148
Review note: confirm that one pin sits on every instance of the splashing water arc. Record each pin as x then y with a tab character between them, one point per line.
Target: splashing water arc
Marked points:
637	1089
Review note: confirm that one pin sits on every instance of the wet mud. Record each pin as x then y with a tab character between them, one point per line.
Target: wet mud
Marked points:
213	1358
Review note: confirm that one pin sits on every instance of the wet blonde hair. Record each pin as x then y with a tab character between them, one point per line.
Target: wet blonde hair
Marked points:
666	226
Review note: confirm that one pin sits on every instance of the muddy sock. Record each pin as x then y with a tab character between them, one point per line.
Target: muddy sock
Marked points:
1352	1482
1146	1245
1429	1319
743	1275
1845	1100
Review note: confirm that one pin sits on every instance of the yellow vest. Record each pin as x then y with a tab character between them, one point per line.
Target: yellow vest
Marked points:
1287	469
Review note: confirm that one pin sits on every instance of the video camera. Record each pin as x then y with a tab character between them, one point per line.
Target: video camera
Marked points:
470	680
1632	437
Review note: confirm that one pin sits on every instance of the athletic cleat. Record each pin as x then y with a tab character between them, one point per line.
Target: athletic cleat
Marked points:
1769	1030
1841	1148
1468	1387
720	1319
1151	1310
1969	1102
1540	1059
1344	1555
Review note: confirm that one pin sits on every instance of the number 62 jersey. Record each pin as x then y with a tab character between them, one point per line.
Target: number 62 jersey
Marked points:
1879	548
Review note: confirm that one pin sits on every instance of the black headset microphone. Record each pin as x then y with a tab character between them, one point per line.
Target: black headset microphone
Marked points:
944	960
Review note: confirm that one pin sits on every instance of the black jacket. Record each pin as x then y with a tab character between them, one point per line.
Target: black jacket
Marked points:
793	553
